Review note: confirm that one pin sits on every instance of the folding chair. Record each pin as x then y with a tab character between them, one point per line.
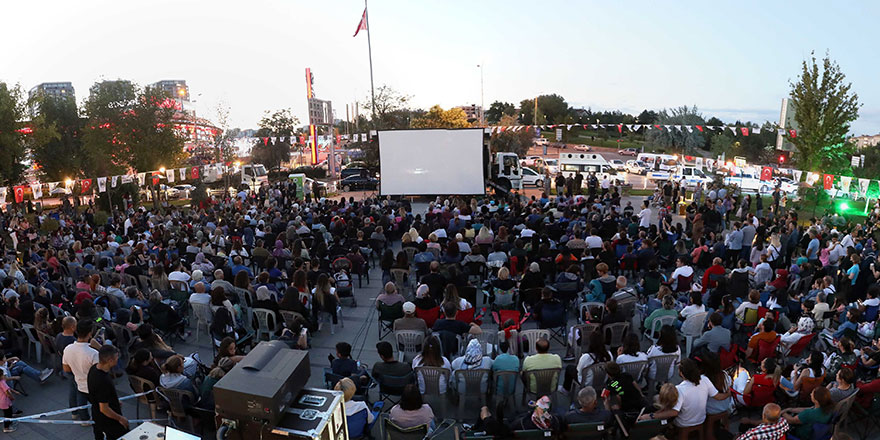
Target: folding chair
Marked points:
387	315
430	316
390	431
553	318
767	349
392	386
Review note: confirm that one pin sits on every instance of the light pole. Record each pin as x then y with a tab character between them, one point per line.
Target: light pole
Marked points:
482	104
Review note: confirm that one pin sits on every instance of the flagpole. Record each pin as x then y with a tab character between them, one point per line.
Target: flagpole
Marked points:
370	52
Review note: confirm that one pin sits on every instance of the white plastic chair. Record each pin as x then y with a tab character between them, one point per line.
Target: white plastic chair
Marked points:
532	336
409	342
33	341
658	323
691	329
203	315
262	317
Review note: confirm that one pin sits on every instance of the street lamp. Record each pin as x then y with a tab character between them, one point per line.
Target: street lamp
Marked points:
482	104
162	170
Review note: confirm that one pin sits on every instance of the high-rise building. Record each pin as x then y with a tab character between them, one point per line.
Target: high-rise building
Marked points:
177	88
472	111
51	89
787	122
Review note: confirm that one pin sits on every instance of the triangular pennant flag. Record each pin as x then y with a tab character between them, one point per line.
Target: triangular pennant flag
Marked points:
569	126
37	190
113	181
812	178
699	127
657	126
863	186
637	127
678	127
620	128
85	185
194	173
154	178
629	127
169	176
585	126
668	127
265	141
594	126
732	129
744	130
142	179
603	125
780	131
19	193
3	190
689	128
52	186
274	139
282	138
182	172
845	181
699	162
828	181
102	184
797	175
792	133
68	184
756	130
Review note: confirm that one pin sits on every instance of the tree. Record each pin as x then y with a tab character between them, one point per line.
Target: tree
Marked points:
517	142
552	109
56	142
824	107
674	139
436	117
150	139
105	108
647	117
389	107
499	109
12	146
281	123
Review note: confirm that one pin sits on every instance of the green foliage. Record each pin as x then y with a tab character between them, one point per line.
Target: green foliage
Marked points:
824	106
499	109
647	117
552	109
49	225
12	147
310	171
199	194
101	217
56	144
676	140
277	124
436	117
517	142
756	148
117	195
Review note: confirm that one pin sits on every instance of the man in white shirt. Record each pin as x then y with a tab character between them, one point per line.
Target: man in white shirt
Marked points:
199	296
178	274
681	269
594	241
645	216
78	358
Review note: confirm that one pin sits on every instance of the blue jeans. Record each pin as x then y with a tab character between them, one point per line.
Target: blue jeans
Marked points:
21	367
78	398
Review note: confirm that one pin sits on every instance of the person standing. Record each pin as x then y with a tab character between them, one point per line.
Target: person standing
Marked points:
78	358
560	184
106	409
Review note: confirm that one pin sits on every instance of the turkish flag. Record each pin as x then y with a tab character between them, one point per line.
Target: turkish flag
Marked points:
699	127
657	127
265	141
302	139
766	173
620	128
19	193
86	185
792	133
155	178
362	25
828	181
194	173
744	130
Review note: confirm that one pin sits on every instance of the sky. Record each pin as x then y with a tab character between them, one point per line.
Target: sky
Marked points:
733	60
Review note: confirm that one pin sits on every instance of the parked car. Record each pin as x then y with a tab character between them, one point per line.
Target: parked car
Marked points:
532	177
636	167
179	191
617	164
345	173
583	148
629	152
552	166
541	142
530	160
356	182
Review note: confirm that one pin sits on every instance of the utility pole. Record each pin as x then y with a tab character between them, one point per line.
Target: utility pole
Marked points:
482	104
370	52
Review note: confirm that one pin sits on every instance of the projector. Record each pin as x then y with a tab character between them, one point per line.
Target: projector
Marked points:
263	384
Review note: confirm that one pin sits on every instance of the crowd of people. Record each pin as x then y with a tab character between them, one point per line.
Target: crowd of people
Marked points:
742	307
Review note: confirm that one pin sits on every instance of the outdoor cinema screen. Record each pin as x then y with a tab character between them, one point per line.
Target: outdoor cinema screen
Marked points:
431	162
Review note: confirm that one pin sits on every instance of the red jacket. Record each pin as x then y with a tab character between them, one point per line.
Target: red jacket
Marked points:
715	269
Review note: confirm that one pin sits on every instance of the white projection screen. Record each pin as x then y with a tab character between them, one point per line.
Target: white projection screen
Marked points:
431	162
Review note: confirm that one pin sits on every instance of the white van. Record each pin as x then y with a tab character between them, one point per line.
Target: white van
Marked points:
571	164
659	162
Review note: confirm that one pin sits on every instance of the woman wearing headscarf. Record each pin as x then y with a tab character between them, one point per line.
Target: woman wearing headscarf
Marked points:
794	334
540	418
203	264
532	279
473	359
280	251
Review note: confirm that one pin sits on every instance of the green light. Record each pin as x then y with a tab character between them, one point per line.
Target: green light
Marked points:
844	206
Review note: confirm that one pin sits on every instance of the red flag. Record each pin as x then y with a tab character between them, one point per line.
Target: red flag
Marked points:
265	141
620	128
657	127
828	180
85	185
156	178
302	139
792	133
362	26
194	173
699	127
19	193
744	130
766	173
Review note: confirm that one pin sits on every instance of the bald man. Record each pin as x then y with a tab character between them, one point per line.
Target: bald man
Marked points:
772	426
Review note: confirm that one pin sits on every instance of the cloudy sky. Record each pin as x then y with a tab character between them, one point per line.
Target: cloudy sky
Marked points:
733	60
